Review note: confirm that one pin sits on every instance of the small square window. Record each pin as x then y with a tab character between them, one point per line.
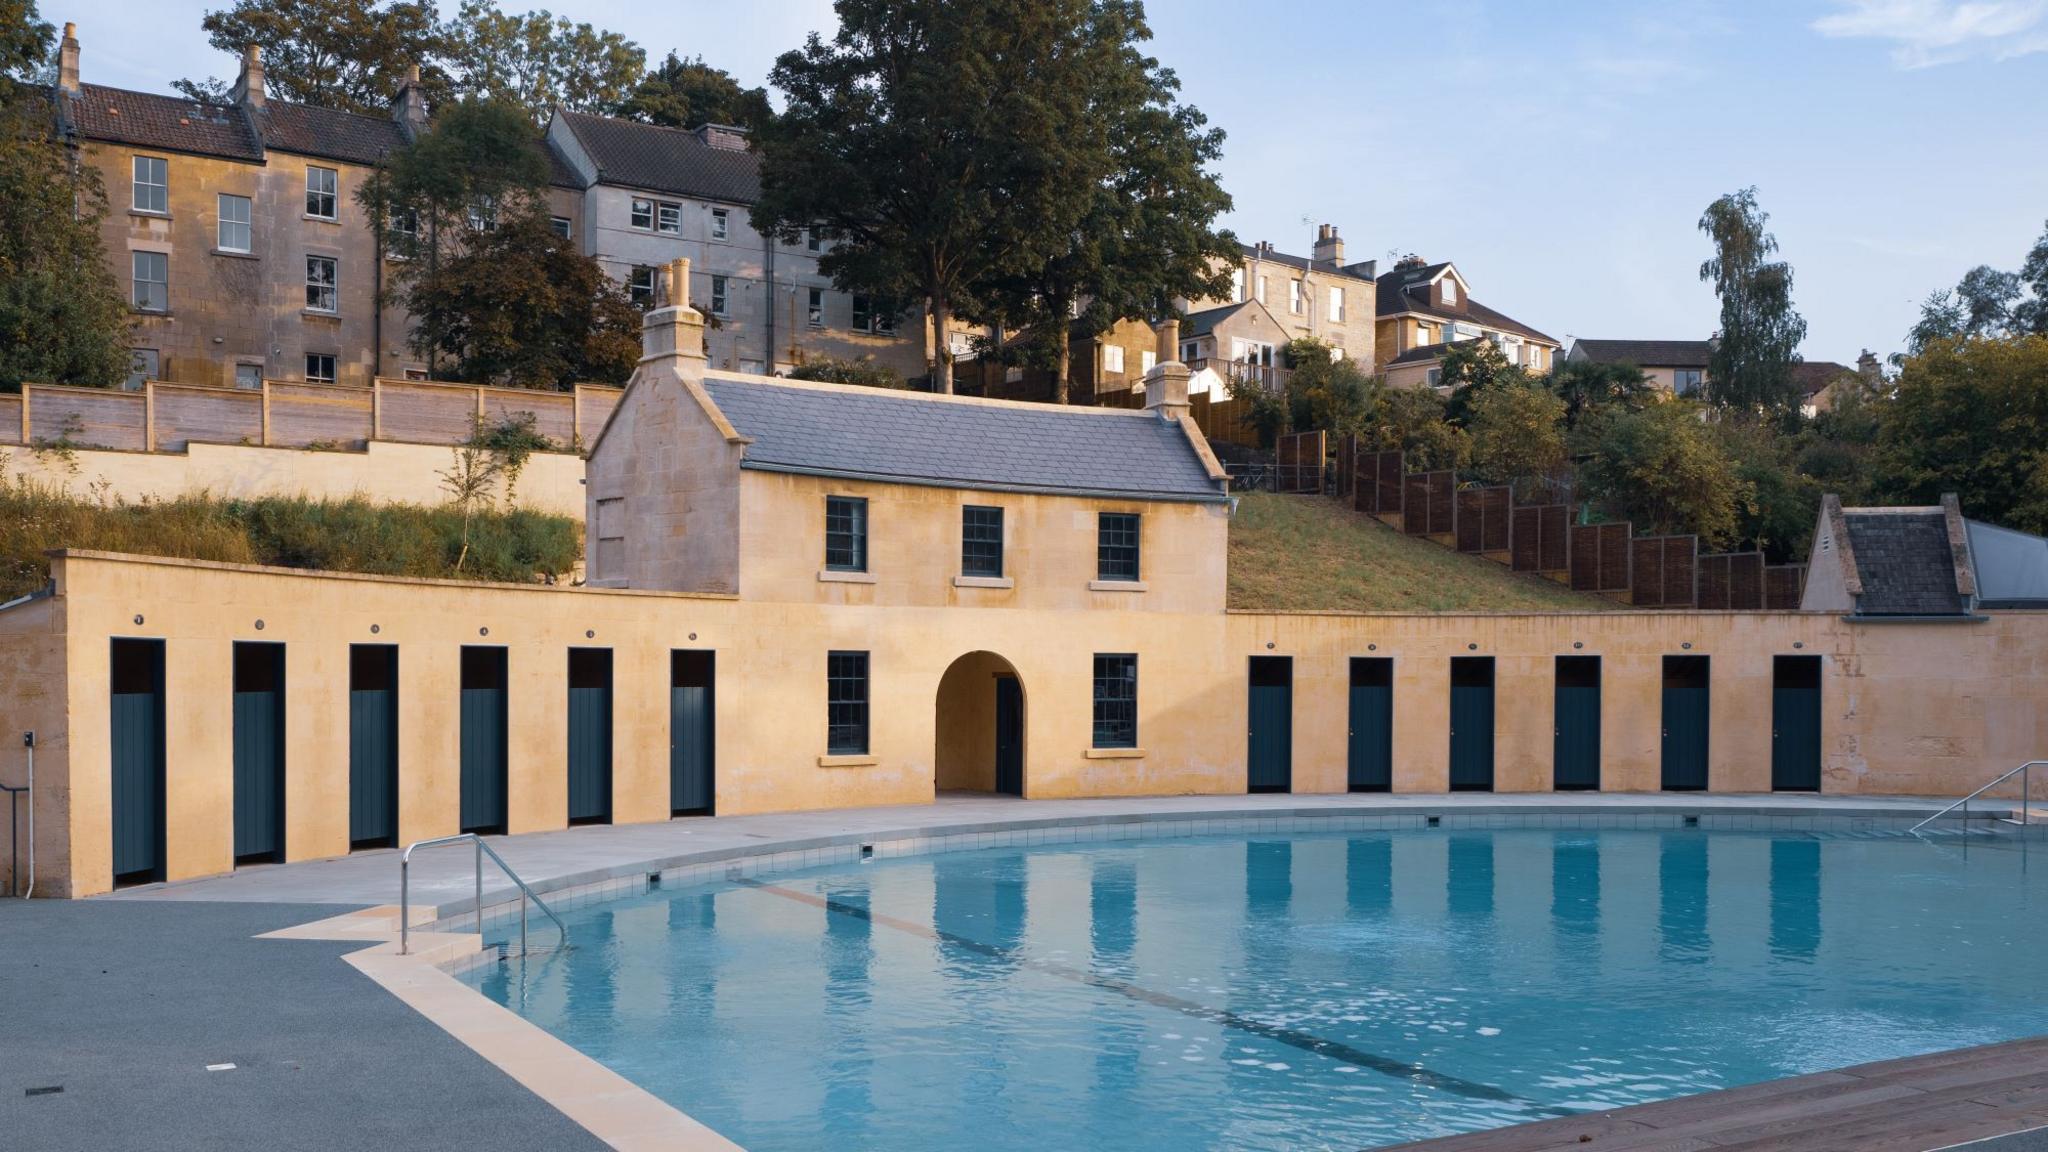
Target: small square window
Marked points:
152	282
249	376
718	295
322	192
981	541
816	307
1113	358
320	367
846	534
643	214
721	223
1116	546
560	224
233	232
323	274
846	703
152	185
640	286
668	218
1687	381
1116	700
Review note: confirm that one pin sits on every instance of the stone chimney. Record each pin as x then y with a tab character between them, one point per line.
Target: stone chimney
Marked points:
67	61
1329	246
1867	367
1166	385
724	137
672	332
249	90
409	108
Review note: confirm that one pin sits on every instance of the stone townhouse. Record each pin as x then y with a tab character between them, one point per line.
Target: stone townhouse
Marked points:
234	229
1425	308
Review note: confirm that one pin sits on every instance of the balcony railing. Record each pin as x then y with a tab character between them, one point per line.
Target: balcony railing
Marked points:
1271	377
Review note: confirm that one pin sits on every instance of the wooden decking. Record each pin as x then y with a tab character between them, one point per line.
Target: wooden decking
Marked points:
1910	1105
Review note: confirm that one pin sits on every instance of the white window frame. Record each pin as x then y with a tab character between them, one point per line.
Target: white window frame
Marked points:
645	295
1261	290
637	209
721	223
157	275
1336	295
563	226
1294	296
319	289
1113	358
159	188
223	218
316	195
719	301
1450	289
668	218
333	367
1237	285
1147	360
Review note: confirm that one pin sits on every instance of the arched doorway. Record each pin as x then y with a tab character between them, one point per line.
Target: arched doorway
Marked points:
980	729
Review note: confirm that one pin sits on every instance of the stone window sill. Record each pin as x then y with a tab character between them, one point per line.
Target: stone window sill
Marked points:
236	255
153	313
317	314
148	215
1114	753
1117	586
321	219
833	576
983	582
862	761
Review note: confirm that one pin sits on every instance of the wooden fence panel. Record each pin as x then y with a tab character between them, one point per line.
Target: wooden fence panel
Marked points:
1345	480
554	413
422	413
1784	587
206	415
1415	504
1443	503
92	417
1390	468
1746	581
1298	462
1599	559
302	414
1713	582
1554	550
1665	568
10	419
1482	519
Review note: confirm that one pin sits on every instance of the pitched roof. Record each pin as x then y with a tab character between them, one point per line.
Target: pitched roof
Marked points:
1814	375
665	159
166	123
1398	293
1204	322
1645	353
913	438
1328	267
1904	561
1430	351
351	138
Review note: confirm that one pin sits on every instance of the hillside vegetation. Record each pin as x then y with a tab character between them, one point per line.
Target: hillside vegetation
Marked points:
1306	553
352	535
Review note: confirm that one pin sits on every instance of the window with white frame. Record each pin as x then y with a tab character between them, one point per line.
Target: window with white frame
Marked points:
561	225
1112	358
152	185
640	285
668	218
323	193
402	233
323	276
815	307
1146	359
1687	381
1336	305
152	277
232	232
1294	297
1237	285
483	214
1450	290
320	367
1336	352
1424	335
718	295
874	314
642	216
1261	290
721	223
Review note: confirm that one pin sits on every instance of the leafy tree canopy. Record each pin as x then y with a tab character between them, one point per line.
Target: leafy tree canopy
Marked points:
1987	304
689	93
1750	367
1664	469
1970	417
539	61
345	54
1518	436
1586	387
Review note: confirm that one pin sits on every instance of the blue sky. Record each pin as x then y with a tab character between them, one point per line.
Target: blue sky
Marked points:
1560	152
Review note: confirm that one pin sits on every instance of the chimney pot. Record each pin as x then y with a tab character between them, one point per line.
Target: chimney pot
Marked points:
67	60
249	87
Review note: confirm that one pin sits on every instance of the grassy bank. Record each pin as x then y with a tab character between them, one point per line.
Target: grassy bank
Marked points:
1306	553
338	535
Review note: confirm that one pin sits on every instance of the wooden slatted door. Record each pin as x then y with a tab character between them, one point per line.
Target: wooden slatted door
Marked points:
259	752
1371	759
1009	736
136	707
1472	724
1795	724
590	735
1575	752
1269	757
691	742
372	745
1686	712
483	740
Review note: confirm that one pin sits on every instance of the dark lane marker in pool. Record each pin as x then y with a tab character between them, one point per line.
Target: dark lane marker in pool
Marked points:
1307	1042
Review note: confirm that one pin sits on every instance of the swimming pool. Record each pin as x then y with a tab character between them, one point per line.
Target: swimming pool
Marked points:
1289	991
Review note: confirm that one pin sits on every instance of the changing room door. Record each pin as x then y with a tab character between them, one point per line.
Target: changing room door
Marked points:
590	735
1795	724
483	740
1472	724
691	743
1575	753
259	751
1269	760
372	745
1009	736
136	705
1372	724
1685	723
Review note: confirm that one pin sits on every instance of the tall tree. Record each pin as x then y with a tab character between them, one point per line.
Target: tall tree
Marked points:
62	318
1970	417
1751	363
345	54
539	61
925	140
1144	201
1586	387
1664	468
2031	315
682	93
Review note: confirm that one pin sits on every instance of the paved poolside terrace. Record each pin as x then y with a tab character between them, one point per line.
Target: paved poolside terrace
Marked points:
122	1004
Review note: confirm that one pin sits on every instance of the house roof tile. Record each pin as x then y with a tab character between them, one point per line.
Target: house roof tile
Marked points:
164	123
1398	293
1905	562
668	160
1645	353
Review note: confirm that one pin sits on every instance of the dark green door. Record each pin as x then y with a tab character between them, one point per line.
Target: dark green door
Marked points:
590	735
1269	761
1009	736
691	739
1471	723
1795	724
483	740
136	704
1575	751
1372	724
372	745
1685	723
259	752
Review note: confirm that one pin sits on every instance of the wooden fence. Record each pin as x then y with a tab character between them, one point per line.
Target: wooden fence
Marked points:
165	417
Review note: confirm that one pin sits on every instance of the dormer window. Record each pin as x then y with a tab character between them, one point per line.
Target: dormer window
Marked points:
1450	290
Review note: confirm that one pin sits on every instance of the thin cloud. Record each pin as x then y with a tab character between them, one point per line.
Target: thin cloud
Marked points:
1926	33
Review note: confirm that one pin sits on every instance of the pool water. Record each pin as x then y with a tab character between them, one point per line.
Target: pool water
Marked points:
1285	992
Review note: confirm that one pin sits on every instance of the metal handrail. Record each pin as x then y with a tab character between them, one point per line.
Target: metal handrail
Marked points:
2026	796
482	849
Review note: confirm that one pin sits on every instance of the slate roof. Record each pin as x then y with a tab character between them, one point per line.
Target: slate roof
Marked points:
1204	322
176	124
1429	352
669	160
1814	375
1904	562
908	438
304	130
1645	353
1252	251
1395	297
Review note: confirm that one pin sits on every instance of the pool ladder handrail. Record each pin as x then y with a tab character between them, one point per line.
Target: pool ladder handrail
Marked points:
482	849
2026	796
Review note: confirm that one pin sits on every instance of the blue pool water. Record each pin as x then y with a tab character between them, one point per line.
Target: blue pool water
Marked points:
1315	991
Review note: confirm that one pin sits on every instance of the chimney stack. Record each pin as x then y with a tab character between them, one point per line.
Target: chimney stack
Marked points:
672	331
249	91
1166	385
67	61
1866	367
1329	246
409	109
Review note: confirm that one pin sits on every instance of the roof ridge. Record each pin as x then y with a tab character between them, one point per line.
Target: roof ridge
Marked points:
912	394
